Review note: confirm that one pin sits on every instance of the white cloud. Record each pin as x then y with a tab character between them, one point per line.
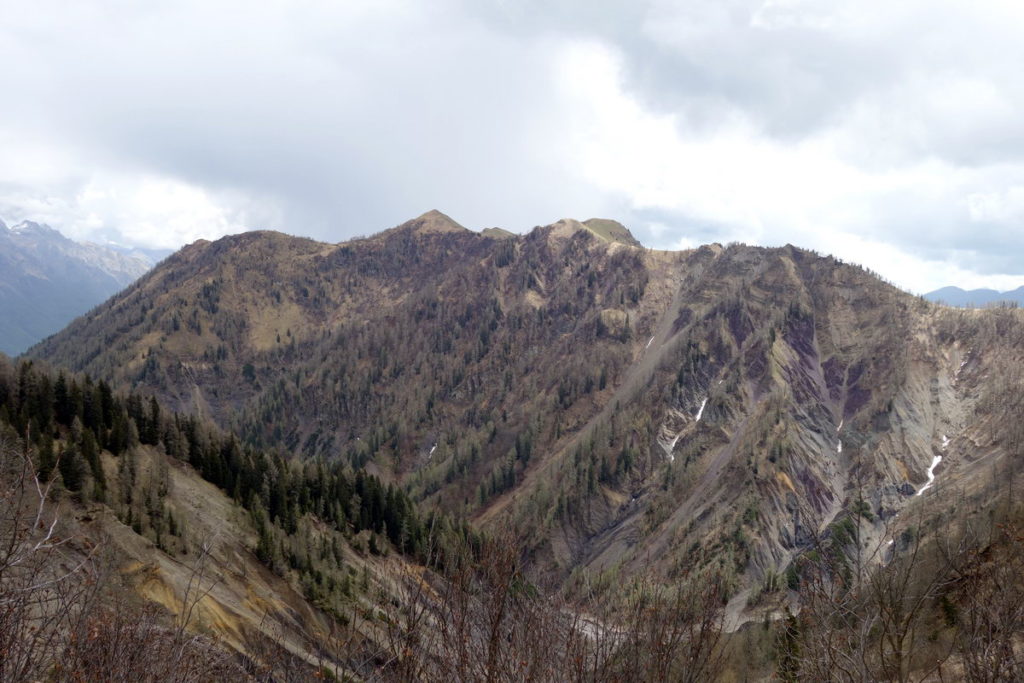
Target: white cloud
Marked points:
161	212
144	211
907	220
886	134
1006	206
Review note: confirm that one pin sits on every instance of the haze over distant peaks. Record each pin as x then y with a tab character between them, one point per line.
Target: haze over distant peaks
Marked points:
955	296
46	280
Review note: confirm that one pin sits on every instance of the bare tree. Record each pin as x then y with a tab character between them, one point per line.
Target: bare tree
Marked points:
861	619
990	612
39	592
482	620
63	612
662	632
123	642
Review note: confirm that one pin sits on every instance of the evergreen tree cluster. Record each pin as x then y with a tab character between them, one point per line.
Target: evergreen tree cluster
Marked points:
67	421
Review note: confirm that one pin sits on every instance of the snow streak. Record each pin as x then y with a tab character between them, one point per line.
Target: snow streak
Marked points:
931	474
701	411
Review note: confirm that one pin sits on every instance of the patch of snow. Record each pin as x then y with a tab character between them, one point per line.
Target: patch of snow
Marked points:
890	542
649	341
956	375
945	441
931	474
840	427
432	449
701	410
671	447
839	446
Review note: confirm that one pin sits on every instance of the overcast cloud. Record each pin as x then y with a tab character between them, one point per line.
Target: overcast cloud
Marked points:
888	134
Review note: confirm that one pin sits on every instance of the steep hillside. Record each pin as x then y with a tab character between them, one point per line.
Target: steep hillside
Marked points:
46	280
160	531
623	408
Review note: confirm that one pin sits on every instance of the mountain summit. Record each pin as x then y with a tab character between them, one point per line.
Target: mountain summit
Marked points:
610	230
434	221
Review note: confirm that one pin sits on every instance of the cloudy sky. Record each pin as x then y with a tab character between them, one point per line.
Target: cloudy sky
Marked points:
888	134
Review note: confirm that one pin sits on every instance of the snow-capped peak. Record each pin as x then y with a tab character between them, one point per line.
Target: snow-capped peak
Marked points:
33	228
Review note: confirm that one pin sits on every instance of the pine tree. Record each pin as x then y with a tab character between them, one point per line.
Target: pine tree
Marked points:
72	469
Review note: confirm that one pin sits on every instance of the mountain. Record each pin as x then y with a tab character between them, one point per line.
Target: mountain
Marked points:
621	410
147	255
729	462
46	280
954	296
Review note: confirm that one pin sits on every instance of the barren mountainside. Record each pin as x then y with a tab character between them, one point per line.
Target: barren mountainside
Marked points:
618	407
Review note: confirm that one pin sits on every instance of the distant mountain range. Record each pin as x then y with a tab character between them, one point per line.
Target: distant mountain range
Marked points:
47	280
954	296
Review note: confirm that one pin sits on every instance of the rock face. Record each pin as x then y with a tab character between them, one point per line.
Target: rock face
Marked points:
46	280
623	409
